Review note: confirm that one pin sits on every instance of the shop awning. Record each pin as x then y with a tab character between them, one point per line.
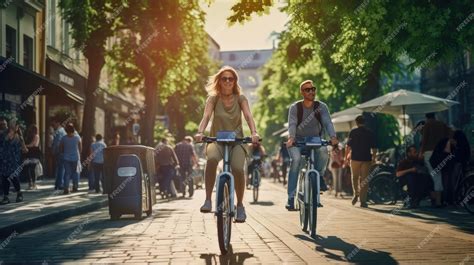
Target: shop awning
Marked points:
18	80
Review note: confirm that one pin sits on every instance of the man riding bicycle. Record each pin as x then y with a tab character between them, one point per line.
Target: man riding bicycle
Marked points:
307	117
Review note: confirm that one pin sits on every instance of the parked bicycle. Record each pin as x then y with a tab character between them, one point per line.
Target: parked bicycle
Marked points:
225	207
308	190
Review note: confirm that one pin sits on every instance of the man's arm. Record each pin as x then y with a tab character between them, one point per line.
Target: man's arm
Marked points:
401	173
327	123
292	120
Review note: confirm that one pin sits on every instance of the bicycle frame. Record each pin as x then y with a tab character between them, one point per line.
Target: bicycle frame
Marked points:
226	174
310	169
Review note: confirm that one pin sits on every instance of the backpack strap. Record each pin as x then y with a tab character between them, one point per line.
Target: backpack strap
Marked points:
299	112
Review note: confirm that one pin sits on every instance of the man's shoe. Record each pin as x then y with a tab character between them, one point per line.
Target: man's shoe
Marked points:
240	216
75	189
66	191
363	205
19	197
206	207
5	200
290	205
320	205
355	199
323	187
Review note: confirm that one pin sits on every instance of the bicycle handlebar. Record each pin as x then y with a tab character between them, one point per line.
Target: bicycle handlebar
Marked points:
244	140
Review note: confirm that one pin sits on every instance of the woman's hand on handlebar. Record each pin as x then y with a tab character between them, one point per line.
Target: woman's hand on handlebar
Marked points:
198	137
255	138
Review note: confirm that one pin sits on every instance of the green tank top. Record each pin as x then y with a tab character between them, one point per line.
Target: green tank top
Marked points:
227	118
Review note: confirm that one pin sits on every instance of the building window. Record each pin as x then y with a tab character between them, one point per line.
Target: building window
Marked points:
65	37
51	23
27	52
11	45
231	57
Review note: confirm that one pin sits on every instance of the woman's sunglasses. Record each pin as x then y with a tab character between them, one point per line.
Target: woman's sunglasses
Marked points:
227	79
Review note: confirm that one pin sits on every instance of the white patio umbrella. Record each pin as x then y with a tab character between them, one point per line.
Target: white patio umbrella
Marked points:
344	120
403	102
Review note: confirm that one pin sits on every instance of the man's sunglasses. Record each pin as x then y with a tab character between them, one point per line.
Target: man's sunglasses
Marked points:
227	79
309	89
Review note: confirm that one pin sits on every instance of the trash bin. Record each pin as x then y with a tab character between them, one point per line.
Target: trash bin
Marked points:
129	180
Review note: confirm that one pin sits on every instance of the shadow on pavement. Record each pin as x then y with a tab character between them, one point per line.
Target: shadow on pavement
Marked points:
229	258
454	216
354	253
264	203
77	237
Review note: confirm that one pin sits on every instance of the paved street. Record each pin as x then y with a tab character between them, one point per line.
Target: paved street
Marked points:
178	233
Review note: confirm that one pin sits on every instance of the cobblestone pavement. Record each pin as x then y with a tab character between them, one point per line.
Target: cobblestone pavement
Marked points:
178	233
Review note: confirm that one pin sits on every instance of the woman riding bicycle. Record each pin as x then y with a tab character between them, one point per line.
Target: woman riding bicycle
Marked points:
227	105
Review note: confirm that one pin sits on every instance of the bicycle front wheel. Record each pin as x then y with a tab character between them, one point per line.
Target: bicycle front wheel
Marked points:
313	204
224	218
303	207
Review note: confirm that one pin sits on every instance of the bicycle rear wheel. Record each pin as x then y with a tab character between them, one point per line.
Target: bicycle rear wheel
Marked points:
303	207
313	204
382	188
224	218
466	192
255	180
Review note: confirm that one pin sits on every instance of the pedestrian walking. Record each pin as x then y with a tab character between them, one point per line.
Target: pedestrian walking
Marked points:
97	155
359	145
70	148
187	159
12	146
59	133
33	156
167	162
336	161
432	133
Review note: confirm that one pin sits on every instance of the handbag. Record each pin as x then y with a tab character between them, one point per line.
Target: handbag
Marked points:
38	170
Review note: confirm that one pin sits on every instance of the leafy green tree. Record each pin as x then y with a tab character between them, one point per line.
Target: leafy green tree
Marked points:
164	49
92	23
358	43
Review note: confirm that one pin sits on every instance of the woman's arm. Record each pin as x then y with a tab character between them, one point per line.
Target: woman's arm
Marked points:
208	109
244	105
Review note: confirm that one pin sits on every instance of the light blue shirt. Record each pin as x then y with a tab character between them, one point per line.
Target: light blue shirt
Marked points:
58	135
98	151
71	148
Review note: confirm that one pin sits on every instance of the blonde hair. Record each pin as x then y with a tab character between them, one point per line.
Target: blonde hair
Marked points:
306	82
212	86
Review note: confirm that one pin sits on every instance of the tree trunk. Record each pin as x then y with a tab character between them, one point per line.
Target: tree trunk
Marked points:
371	90
148	121
96	60
176	117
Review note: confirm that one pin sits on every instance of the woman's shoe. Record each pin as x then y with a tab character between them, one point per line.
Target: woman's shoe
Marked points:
206	207
240	216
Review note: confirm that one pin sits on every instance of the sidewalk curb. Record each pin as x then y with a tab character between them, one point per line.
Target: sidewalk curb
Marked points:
36	222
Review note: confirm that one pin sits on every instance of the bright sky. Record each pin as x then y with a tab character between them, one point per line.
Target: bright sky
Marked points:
252	35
